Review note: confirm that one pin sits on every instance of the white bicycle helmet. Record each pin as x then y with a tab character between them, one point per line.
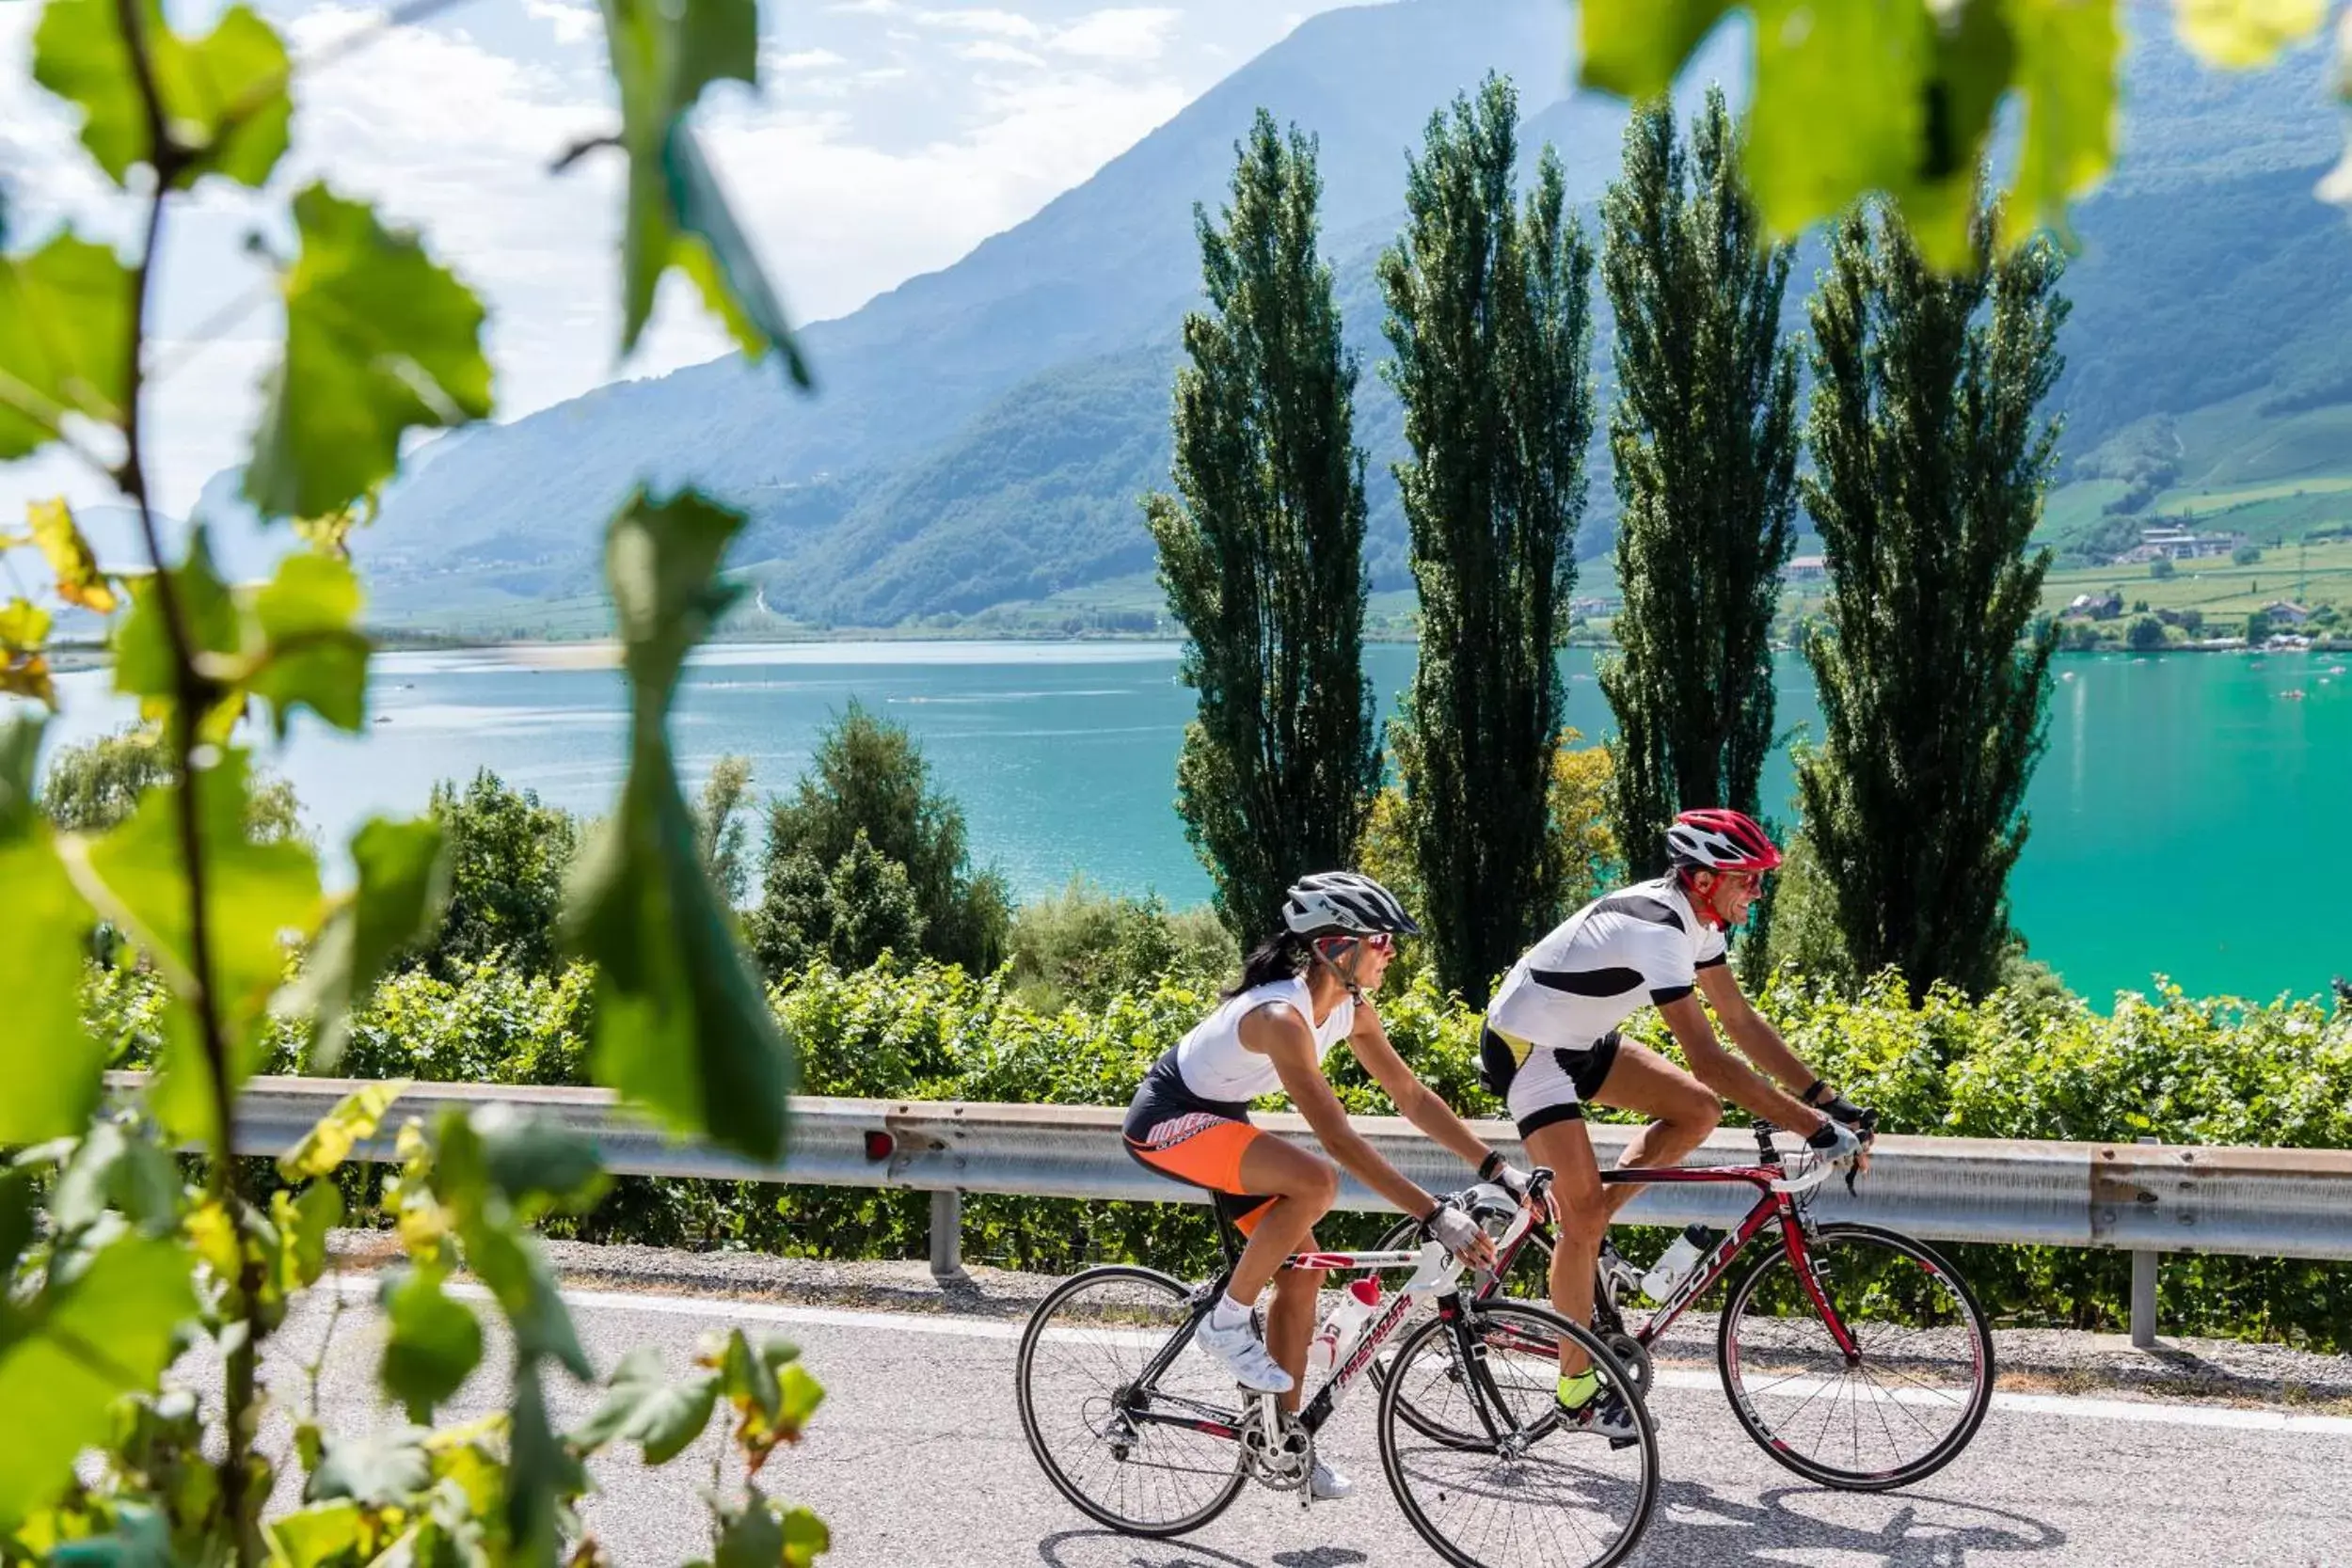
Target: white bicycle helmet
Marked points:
1345	901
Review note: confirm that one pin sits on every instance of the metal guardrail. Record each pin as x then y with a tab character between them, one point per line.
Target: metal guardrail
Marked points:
2144	1199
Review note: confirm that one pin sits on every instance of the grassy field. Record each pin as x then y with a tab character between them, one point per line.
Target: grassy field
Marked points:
2310	574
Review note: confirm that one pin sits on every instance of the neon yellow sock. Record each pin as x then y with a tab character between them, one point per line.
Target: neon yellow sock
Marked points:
1575	1391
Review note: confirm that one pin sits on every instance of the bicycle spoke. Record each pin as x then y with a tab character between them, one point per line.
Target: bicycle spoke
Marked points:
1921	1360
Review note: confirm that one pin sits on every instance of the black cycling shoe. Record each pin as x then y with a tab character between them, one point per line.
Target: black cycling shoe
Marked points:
1605	1414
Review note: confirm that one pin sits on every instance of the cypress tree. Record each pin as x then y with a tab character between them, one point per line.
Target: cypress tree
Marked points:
1490	314
1261	549
1704	438
1930	462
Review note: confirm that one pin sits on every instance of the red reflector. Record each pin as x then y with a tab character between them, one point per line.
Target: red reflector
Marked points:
879	1146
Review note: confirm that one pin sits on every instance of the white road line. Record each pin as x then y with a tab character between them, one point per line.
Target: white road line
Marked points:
2066	1406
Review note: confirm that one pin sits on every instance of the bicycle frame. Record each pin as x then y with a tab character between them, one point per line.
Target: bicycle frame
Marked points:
1434	1273
1773	1204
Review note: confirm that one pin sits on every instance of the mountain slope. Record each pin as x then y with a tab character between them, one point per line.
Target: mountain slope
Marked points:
982	432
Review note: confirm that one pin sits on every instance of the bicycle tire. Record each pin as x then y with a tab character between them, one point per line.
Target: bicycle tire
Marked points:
1177	1297
1558	1481
1969	1328
1402	1237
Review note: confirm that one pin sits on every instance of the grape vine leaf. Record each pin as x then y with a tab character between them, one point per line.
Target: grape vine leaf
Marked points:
432	1343
65	341
681	1023
76	565
49	1061
67	1353
311	652
643	1405
676	215
2244	34
224	95
380	338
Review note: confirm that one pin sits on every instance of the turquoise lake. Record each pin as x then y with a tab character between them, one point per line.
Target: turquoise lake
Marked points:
2177	803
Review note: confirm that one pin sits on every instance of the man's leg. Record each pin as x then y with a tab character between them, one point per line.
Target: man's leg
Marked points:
1577	1198
1682	1111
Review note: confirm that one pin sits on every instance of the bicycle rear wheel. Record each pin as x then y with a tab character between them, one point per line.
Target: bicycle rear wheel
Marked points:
1524	1493
1110	1441
1897	1410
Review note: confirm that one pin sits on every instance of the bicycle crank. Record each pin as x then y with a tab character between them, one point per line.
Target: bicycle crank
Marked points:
1634	1357
1280	1452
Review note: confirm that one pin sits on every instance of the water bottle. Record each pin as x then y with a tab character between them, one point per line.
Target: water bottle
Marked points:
1337	1336
1676	1262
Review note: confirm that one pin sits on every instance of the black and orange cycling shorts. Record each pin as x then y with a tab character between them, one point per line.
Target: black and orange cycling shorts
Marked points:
1205	1149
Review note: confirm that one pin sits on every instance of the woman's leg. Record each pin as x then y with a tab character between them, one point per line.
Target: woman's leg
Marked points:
1577	1197
1682	1111
1303	1186
1290	1322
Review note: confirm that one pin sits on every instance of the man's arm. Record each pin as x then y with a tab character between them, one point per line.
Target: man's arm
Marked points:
1414	1101
1751	1032
1719	1071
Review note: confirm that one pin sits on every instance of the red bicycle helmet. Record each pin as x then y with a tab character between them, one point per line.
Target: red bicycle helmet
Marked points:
1719	840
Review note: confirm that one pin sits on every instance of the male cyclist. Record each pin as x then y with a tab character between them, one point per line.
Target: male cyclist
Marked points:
1551	1044
1303	990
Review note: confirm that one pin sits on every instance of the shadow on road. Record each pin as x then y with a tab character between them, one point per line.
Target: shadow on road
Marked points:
1102	1548
1693	1525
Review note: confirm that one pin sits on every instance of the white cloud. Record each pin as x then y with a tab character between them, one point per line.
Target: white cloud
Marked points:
1010	24
998	51
1133	32
801	59
574	21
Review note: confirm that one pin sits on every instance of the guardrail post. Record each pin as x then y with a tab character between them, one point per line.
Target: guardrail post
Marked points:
2144	1292
947	1237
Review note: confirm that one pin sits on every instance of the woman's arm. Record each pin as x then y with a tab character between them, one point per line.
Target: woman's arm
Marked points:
1414	1101
1283	1039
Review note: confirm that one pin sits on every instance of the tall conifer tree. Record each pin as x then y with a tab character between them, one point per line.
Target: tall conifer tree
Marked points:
1930	461
1704	441
1489	313
1261	547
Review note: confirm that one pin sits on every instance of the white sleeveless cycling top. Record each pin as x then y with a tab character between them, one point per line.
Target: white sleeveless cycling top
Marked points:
1215	1064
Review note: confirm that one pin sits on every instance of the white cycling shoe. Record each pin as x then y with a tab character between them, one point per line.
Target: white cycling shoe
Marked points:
1240	1352
1327	1484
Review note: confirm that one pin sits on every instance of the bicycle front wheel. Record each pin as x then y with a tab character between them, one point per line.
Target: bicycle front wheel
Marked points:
1112	1435
1896	1408
1525	1491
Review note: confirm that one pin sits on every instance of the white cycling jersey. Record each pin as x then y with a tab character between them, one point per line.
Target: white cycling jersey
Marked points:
1641	945
1216	1066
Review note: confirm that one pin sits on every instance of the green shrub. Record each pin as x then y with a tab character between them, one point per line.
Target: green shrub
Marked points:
1083	945
508	855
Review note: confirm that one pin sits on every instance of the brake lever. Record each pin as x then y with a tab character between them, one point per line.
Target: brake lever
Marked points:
1868	1131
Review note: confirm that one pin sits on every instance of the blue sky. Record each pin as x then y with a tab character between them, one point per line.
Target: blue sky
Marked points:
888	138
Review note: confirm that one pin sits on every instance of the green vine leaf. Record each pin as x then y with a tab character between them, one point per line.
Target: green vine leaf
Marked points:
65	341
332	1138
681	1023
2241	35
144	664
69	1351
71	558
50	1063
302	1223
316	1535
379	1469
663	56
644	1406
255	895
379	339
223	94
432	1343
312	653
1895	98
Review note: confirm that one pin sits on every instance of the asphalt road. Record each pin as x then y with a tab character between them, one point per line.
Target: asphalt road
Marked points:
916	1459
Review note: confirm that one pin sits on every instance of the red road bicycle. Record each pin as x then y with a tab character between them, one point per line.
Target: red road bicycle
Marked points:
1855	1357
1146	1435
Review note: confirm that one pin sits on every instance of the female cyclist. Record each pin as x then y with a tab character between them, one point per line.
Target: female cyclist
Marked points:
1301	991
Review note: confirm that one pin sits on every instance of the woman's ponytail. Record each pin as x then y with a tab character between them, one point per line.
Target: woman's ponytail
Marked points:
1280	957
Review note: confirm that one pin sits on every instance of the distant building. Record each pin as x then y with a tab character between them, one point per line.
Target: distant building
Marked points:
1809	568
2285	613
2099	607
2179	544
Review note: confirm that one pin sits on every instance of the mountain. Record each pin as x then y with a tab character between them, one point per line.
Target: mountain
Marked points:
982	432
